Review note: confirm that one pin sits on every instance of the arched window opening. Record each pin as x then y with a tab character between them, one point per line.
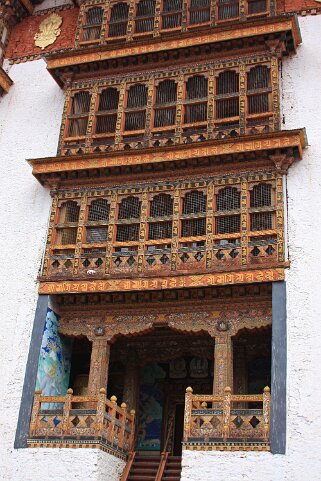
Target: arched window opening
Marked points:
118	20
194	202
106	116
228	199
199	11
257	79
227	9
161	206
166	93
98	210
145	12
129	208
69	212
135	115
261	195
227	84
196	88
80	106
172	14
92	26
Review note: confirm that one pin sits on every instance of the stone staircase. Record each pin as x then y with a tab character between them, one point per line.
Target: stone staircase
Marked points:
146	468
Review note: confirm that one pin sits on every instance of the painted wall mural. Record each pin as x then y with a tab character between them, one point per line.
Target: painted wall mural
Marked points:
54	359
150	408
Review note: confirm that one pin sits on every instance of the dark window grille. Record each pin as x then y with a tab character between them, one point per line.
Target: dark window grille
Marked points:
194	202
193	227
129	208
196	87
118	20
96	235
258	104
69	212
228	9
106	124
199	11
256	6
161	205
227	224
261	195
80	103
78	127
166	92
127	232
108	100
227	83
165	117
67	236
137	96
258	78
228	199
261	221
145	16
172	14
195	113
227	108
98	210
160	230
92	25
135	120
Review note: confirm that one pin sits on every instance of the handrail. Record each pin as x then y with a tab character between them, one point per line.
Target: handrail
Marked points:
128	466
95	416
161	467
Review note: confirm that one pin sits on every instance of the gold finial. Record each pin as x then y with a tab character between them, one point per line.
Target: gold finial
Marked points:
70	391
102	390
204	404
189	389
113	399
38	391
267	389
123	405
133	412
227	389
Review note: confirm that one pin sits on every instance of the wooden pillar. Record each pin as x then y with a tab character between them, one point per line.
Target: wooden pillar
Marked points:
99	363
131	383
240	373
223	364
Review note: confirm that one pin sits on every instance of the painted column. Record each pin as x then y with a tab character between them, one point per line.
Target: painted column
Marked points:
131	382
223	364
99	364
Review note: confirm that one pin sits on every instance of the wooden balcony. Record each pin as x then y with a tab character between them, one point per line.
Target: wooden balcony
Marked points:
227	422
85	421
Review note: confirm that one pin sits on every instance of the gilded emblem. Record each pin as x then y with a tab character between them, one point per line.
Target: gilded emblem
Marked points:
49	31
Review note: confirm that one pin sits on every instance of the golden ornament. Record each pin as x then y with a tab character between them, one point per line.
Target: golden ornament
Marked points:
49	31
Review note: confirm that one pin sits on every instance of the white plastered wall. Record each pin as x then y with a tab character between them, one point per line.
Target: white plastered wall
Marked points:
301	107
30	116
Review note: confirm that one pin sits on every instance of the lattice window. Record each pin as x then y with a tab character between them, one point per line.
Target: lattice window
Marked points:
227	224
161	205
160	230
127	233
193	227
69	212
106	116
256	6
166	93
261	195
135	115
196	89
227	9
172	14
66	236
78	117
261	221
227	84
118	20
129	208
199	12
92	25
98	210
96	235
228	199
145	12
257	79
194	202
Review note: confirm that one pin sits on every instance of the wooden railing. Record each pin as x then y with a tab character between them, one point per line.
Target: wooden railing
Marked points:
82	417
227	420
